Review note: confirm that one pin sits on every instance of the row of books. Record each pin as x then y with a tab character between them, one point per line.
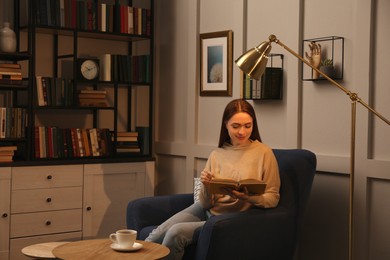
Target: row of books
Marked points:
54	91
7	153
94	98
125	68
10	71
13	122
101	15
124	19
54	142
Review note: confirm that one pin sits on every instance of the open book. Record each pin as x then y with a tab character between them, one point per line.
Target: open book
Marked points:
218	186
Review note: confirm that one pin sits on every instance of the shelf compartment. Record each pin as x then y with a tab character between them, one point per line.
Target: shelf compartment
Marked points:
270	86
332	48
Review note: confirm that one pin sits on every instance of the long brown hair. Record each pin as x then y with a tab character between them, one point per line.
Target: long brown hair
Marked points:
233	107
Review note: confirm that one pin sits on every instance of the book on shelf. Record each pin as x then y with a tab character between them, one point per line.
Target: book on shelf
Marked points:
220	186
17	77
128	150
143	139
127	134
8	148
6	158
92	95
271	83
93	102
11	65
127	137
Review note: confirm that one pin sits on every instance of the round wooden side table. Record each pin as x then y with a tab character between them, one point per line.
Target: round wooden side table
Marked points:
42	250
95	249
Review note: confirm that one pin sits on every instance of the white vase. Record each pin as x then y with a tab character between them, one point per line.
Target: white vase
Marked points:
7	39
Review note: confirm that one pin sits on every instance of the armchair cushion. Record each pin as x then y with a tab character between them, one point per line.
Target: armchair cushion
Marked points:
254	234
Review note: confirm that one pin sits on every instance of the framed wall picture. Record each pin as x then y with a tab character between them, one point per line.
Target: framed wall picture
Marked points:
216	63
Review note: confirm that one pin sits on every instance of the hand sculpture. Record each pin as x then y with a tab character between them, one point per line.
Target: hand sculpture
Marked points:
315	57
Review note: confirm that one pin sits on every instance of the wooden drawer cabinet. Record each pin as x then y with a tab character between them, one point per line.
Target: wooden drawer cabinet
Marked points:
46	199
67	202
5	199
46	177
46	205
40	223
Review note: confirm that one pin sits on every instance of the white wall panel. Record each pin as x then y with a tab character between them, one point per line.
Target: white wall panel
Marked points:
326	109
325	228
279	120
172	59
210	109
380	85
170	179
379	215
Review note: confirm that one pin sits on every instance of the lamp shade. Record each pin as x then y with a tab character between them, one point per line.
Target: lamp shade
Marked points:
254	61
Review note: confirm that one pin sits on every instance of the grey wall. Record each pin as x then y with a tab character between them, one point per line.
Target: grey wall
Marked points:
312	115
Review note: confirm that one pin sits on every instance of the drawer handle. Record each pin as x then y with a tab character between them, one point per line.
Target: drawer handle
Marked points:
4	215
48	200
48	223
49	177
89	208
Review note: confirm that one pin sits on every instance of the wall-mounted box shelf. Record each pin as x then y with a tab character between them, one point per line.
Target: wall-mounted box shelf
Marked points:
270	86
332	50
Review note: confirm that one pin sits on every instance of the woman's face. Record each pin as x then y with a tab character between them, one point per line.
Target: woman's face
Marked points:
240	127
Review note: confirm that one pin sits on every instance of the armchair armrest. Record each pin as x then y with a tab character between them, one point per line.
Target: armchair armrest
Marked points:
152	211
265	233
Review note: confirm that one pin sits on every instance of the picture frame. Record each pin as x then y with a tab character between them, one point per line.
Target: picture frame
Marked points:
216	63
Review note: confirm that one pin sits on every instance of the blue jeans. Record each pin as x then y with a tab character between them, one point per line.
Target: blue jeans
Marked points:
177	232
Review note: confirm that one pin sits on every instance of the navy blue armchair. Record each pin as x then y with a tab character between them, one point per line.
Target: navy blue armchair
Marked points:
254	234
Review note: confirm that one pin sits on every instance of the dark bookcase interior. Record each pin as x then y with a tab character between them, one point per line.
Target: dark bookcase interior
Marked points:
85	102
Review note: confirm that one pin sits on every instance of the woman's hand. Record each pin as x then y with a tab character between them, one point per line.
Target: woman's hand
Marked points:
206	177
241	195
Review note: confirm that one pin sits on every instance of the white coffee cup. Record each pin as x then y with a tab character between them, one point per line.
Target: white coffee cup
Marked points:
125	238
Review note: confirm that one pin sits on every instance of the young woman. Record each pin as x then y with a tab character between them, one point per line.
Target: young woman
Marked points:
240	155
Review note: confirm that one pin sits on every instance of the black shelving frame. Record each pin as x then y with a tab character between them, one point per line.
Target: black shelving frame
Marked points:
29	84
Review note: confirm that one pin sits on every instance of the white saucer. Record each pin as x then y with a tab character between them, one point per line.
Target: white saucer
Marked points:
135	247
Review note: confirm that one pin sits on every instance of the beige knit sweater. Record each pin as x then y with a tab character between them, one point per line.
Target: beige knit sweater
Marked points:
254	161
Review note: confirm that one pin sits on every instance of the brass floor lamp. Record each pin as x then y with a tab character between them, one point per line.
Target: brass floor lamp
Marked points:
253	63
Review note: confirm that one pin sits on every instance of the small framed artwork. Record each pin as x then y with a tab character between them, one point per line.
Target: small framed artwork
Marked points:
216	63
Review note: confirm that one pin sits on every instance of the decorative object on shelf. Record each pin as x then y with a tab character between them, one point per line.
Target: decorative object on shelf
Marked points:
7	39
87	69
256	59
216	69
327	67
270	86
325	54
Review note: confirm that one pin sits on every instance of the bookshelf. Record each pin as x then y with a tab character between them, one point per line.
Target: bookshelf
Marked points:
56	156
64	109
